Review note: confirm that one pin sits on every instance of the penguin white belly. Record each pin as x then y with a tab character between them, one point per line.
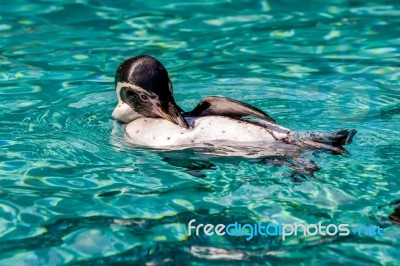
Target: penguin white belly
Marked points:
157	132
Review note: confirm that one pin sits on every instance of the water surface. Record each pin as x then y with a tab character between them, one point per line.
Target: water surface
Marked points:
73	192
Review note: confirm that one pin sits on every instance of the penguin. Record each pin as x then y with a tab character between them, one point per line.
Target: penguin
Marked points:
152	118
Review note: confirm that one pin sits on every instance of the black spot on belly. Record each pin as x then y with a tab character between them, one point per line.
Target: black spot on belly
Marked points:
223	131
168	138
192	141
202	128
137	131
181	133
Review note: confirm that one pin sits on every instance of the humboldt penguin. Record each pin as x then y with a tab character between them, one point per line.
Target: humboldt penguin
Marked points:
152	118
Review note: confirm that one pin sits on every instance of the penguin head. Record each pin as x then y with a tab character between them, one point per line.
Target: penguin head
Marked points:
144	89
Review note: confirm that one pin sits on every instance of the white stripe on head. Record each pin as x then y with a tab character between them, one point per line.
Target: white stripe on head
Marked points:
123	112
120	85
170	87
153	98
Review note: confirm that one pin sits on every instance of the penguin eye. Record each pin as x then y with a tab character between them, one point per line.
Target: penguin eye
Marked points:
144	97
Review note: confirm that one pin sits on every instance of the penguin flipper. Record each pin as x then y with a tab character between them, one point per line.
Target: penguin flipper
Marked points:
214	105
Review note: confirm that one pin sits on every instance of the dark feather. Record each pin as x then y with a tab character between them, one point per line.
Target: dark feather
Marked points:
227	107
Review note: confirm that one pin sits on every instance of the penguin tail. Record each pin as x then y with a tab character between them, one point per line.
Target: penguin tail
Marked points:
325	141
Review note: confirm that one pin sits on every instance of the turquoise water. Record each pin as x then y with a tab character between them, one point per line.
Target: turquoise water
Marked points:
73	192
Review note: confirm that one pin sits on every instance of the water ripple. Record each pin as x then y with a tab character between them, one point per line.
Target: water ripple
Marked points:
72	191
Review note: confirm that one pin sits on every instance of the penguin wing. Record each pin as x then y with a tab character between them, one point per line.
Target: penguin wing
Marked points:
227	107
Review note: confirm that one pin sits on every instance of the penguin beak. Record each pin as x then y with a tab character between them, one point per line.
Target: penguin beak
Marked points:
170	111
136	103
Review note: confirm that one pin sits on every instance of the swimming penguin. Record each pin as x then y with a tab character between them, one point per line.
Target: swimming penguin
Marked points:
153	119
